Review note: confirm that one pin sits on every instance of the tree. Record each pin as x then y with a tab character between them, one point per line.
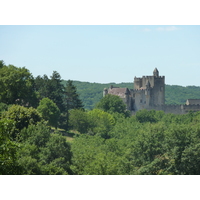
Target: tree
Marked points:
72	97
146	116
8	149
56	155
78	120
72	101
17	86
49	111
2	64
22	117
3	107
43	152
51	88
100	123
112	103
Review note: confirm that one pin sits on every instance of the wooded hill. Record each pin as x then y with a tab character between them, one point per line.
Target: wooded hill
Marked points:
91	93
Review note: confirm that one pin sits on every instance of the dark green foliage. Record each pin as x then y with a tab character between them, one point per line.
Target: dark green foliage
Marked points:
37	135
3	107
51	88
146	116
17	86
175	94
49	111
43	152
8	149
72	101
2	64
72	97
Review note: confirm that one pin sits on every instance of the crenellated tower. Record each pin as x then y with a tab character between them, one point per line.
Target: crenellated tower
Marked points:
149	91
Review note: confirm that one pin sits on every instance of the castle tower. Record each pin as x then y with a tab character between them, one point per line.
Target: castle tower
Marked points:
105	92
156	72
158	93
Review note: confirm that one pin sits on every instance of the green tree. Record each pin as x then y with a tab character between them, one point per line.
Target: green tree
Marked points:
72	101
51	88
2	64
72	97
146	116
17	86
78	120
22	117
101	123
3	107
112	103
49	111
43	152
8	149
56	153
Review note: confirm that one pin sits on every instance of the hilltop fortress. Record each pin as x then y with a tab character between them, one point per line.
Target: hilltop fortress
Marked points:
149	93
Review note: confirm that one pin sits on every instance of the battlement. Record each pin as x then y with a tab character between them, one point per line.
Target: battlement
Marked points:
137	79
160	77
138	90
191	107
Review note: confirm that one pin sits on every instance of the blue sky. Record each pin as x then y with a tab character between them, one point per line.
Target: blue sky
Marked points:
105	54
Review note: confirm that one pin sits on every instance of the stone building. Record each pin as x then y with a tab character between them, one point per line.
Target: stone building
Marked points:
149	93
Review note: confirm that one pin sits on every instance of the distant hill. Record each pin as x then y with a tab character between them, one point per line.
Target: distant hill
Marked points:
91	93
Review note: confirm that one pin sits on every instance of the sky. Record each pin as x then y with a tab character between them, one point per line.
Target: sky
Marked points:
104	54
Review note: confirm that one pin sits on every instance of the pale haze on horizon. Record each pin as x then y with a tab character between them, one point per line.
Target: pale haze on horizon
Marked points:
105	54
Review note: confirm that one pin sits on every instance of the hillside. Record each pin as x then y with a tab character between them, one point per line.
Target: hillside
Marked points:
91	93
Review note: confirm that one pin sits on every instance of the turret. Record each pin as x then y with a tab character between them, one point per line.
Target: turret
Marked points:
156	72
105	92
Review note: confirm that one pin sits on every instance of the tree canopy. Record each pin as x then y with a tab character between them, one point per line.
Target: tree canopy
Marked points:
49	111
16	86
112	103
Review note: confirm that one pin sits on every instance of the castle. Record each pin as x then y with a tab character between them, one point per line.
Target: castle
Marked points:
149	93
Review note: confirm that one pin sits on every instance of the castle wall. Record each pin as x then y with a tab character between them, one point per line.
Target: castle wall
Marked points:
188	108
141	99
176	109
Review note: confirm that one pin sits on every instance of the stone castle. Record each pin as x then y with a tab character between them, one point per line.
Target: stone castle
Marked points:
149	93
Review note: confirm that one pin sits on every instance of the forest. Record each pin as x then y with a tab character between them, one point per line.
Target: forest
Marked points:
49	126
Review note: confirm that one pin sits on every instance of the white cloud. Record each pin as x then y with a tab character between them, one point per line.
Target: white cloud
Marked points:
167	28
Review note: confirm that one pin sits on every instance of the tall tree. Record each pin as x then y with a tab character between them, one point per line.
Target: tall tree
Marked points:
2	63
72	97
72	100
51	88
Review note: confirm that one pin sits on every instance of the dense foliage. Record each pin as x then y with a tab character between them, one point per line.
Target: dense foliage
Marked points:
104	140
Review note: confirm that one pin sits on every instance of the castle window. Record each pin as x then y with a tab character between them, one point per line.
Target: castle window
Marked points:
161	88
140	100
